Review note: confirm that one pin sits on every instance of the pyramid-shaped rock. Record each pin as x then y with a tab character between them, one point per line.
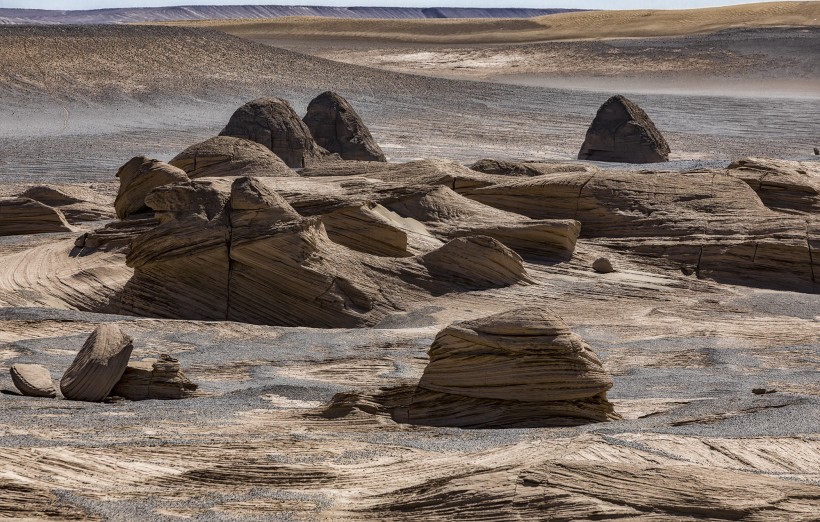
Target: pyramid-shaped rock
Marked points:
273	123
623	133
336	126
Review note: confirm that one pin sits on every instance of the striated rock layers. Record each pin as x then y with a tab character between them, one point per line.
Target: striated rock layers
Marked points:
138	177
26	216
337	127
622	132
74	208
33	380
98	366
238	251
273	123
520	368
150	378
787	186
228	156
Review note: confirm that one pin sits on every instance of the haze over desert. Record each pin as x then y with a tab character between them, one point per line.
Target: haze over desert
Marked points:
410	263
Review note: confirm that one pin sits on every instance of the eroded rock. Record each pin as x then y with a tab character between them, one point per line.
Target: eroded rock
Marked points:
622	132
33	380
273	123
229	156
159	378
602	265
789	186
98	366
336	126
477	260
26	216
74	208
138	177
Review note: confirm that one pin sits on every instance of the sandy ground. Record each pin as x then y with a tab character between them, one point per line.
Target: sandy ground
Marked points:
685	353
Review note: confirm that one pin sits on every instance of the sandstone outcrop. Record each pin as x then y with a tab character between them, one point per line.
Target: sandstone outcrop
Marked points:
159	378
622	132
74	208
273	123
526	169
336	126
229	156
26	216
138	177
476	261
98	366
521	368
33	380
788	186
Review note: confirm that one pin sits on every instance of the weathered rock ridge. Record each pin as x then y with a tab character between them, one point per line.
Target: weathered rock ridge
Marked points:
622	132
138	177
26	216
229	156
336	126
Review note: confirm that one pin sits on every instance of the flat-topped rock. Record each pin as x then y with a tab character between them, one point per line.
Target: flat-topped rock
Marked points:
98	366
229	156
273	123
336	126
26	216
154	378
33	380
138	177
622	132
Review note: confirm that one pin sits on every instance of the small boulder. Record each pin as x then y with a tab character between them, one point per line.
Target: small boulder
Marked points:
33	380
229	156
476	261
337	127
273	123
602	265
159	378
623	133
98	366
138	177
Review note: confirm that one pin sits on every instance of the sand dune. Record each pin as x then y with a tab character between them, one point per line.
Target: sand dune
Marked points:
566	26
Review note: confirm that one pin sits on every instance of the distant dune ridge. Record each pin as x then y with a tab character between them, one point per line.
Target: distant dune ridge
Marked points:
222	12
560	26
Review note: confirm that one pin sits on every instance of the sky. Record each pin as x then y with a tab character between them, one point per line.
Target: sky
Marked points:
580	4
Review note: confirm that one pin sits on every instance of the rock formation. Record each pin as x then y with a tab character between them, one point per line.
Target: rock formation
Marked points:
788	186
26	216
33	380
337	127
98	366
138	177
273	123
602	265
622	132
150	378
229	156
521	368
527	169
476	261
74	208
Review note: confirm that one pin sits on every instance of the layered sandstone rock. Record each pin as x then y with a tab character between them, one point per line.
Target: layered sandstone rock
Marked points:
138	177
337	127
74	208
33	380
229	156
159	378
789	186
26	216
526	169
98	366
622	132
476	261
521	368
273	123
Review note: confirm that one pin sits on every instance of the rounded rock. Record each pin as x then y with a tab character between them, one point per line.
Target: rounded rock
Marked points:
602	265
33	380
99	365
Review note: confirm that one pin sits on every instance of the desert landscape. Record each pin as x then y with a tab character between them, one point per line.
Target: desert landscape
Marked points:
392	264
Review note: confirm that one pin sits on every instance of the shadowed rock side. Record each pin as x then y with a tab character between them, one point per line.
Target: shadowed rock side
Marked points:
33	380
138	177
150	378
26	216
788	186
622	132
273	123
74	208
228	156
712	223
98	366
241	252
527	168
337	127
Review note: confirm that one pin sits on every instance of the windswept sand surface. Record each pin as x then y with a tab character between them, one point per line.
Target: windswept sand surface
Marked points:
685	353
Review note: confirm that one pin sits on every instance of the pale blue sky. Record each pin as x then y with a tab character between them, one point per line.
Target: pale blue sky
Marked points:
580	4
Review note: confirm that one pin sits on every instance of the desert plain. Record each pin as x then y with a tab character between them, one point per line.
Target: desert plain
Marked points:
314	305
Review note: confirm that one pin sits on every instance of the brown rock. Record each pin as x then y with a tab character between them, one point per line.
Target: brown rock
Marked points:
273	123
521	368
788	186
138	178
602	266
622	132
33	380
26	216
75	209
98	366
337	127
159	378
229	156
476	261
